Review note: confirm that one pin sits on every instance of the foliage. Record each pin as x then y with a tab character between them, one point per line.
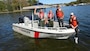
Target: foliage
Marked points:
2	6
31	2
12	5
78	2
9	6
83	1
16	4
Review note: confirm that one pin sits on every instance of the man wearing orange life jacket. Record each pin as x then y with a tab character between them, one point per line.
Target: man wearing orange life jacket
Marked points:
60	16
40	14
73	22
49	17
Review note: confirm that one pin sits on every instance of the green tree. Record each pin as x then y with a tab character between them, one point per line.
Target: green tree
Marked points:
16	4
31	2
2	6
83	1
9	6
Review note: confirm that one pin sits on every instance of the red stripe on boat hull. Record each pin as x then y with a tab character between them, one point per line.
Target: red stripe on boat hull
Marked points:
36	34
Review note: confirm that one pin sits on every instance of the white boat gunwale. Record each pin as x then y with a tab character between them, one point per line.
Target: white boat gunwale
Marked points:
58	32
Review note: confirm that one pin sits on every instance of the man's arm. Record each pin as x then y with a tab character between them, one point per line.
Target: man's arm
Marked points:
63	15
35	11
72	26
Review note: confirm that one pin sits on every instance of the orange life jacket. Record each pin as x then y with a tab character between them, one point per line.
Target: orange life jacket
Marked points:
41	15
74	22
50	15
59	14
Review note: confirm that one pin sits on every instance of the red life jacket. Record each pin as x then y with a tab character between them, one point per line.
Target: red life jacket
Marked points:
41	15
50	15
74	22
59	14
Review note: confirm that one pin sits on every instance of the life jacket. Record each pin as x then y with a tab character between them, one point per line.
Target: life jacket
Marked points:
50	15
41	15
59	14
74	21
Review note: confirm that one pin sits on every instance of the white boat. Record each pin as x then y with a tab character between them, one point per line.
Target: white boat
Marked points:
30	28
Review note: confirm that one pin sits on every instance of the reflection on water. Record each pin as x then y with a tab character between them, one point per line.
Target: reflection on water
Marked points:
24	43
12	41
27	43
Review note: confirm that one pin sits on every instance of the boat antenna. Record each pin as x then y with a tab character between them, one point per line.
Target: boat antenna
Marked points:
32	18
20	7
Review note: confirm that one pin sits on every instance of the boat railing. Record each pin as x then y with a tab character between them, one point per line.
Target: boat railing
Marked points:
52	28
62	28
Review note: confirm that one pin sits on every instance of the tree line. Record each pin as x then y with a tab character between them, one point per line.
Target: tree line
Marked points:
11	5
83	1
78	2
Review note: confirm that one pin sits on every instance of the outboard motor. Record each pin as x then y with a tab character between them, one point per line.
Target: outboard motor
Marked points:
21	20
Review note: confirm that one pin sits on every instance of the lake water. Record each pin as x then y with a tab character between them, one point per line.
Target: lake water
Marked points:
12	41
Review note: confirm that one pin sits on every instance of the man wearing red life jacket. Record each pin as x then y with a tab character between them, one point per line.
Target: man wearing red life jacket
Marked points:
50	15
40	14
73	22
60	16
49	18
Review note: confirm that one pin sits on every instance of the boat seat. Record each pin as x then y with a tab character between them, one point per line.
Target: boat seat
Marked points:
55	24
35	24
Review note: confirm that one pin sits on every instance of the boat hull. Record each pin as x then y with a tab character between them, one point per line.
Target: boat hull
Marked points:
35	33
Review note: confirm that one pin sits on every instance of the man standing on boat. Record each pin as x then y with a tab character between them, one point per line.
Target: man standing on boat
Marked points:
50	15
40	14
49	19
60	16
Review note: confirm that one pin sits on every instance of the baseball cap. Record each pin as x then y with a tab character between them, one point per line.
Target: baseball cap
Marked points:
72	13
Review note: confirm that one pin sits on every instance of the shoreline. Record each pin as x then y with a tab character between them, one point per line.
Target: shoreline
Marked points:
15	11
